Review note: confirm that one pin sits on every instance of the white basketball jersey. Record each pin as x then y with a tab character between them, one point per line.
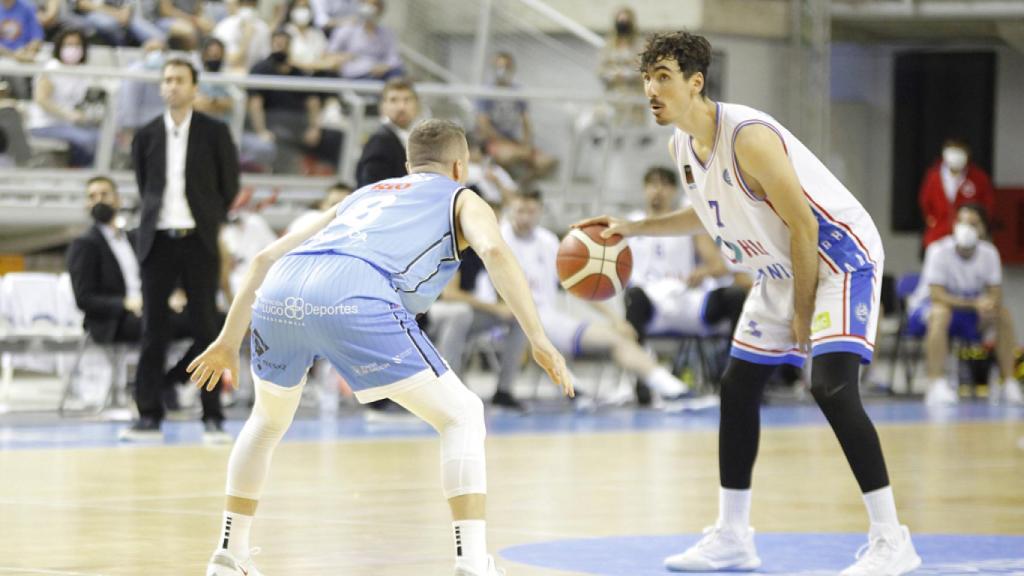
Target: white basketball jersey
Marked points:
537	254
747	228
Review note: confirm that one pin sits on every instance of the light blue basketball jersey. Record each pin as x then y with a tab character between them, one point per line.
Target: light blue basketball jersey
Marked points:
403	227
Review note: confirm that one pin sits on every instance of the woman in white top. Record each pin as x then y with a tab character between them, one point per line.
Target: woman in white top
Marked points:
64	108
309	44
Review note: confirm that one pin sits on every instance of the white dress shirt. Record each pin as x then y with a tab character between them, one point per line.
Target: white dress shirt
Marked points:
126	259
175	212
403	134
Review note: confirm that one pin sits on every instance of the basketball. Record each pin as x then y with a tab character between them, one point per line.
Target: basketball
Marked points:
591	267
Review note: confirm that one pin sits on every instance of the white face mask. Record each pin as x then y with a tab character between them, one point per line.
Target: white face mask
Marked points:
368	11
965	235
954	158
301	16
71	54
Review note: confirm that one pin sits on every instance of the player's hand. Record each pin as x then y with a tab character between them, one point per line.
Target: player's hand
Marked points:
986	305
217	360
802	333
615	226
133	305
548	358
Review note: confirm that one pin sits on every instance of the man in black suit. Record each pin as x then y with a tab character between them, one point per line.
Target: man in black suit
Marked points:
186	167
105	278
384	154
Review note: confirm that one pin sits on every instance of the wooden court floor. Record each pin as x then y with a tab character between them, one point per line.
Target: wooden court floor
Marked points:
373	507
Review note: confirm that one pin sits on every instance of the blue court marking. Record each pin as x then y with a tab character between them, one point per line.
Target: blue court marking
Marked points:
72	434
783	553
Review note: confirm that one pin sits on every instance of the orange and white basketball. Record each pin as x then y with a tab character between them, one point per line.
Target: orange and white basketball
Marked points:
592	267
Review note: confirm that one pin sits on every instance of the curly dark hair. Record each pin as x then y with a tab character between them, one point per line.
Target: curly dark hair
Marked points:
691	51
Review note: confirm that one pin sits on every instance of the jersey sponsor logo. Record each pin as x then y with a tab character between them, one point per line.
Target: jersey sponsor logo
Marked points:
258	345
398	358
753	330
296	308
822	321
391	186
688	174
374	367
726	177
861	312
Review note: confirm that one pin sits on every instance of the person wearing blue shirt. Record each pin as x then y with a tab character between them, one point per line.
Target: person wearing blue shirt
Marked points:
20	31
347	288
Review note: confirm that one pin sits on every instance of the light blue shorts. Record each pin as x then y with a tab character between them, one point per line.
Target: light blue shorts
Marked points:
343	309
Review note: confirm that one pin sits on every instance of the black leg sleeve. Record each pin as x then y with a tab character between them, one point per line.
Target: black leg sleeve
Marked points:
739	431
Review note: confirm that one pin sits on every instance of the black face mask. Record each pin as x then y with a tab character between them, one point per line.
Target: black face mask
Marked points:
213	65
623	27
279	57
102	213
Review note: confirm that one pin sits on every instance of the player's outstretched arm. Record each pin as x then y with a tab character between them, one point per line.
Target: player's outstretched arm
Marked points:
478	227
679	223
762	155
222	354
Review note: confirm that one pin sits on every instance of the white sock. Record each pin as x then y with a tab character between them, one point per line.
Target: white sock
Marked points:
471	545
882	507
734	509
235	535
939	382
664	383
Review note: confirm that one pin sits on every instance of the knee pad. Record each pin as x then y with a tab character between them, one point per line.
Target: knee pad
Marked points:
458	416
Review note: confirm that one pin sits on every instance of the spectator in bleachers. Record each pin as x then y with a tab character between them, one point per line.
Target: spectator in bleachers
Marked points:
619	71
950	183
488	178
336	193
364	49
145	24
383	155
506	129
214	99
309	44
64	108
186	168
246	38
289	119
960	295
331	14
21	35
679	284
50	14
115	21
185	19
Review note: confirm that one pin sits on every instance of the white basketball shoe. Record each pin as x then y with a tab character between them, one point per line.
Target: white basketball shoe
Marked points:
492	570
720	549
224	563
889	552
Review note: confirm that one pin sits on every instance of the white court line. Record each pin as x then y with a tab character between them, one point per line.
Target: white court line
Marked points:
51	572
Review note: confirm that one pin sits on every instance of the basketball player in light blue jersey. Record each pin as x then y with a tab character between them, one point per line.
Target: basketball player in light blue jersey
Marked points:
347	288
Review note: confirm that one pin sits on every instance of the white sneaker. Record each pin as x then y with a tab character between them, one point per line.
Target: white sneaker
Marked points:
224	563
889	552
1012	393
719	549
940	395
492	570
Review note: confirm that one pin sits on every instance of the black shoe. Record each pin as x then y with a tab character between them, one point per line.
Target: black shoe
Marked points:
169	396
505	400
143	430
643	394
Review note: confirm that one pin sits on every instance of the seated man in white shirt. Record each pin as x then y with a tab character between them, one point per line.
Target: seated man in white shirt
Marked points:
680	284
960	295
536	248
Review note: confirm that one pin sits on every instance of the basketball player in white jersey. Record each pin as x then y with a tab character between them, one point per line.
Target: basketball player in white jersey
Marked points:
775	209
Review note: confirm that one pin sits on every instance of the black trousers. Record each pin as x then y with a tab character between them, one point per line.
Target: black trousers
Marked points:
129	330
172	259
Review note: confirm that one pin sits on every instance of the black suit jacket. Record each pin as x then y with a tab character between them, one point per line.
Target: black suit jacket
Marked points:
211	177
98	283
383	157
